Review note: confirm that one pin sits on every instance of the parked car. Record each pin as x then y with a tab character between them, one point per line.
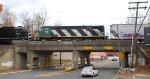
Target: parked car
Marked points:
114	59
89	71
70	67
80	66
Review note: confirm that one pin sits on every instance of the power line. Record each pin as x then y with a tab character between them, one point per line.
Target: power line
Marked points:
134	35
143	20
137	7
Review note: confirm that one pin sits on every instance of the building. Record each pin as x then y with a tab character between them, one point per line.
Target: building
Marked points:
102	55
64	55
98	55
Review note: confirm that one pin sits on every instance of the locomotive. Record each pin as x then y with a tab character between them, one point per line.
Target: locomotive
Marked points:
87	32
7	34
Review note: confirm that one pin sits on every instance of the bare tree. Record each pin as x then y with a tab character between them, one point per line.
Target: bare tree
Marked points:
35	21
40	19
1	7
57	23
7	18
27	22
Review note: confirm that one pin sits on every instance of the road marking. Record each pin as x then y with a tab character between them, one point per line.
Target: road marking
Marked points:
53	73
45	75
13	72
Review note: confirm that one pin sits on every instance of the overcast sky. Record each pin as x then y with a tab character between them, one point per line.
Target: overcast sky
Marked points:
76	12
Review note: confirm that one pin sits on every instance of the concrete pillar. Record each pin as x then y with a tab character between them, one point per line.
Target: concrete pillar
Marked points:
44	59
82	58
82	61
126	60
51	61
88	60
20	60
75	58
34	60
85	58
29	60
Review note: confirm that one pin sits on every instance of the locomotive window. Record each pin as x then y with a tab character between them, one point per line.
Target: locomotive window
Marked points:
46	32
46	28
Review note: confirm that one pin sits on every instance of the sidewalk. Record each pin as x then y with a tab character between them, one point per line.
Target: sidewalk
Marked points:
126	72
2	72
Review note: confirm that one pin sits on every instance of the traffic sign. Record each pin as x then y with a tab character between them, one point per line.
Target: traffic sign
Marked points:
120	55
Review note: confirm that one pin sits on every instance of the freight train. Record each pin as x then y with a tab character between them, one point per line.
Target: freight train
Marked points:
7	34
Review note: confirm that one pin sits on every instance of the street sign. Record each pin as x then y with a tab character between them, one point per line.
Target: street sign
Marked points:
120	55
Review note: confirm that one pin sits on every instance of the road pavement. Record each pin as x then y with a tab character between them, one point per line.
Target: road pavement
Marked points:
104	73
107	70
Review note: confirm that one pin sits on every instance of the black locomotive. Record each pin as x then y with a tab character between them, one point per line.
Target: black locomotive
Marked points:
7	34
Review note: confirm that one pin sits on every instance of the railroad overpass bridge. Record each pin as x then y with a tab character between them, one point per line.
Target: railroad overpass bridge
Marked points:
32	54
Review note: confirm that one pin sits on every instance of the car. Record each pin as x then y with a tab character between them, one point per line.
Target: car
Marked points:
89	71
70	67
80	66
114	59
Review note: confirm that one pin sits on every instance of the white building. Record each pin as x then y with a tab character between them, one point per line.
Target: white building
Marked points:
64	55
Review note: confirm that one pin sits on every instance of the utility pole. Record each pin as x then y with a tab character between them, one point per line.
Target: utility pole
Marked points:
120	64
134	35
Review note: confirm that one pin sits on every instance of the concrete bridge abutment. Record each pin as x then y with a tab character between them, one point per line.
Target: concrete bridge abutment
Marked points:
36	59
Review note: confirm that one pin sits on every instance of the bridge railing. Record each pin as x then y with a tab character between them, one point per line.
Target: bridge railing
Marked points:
96	42
77	45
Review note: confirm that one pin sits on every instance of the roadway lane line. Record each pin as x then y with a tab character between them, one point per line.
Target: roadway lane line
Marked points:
53	73
14	72
44	75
